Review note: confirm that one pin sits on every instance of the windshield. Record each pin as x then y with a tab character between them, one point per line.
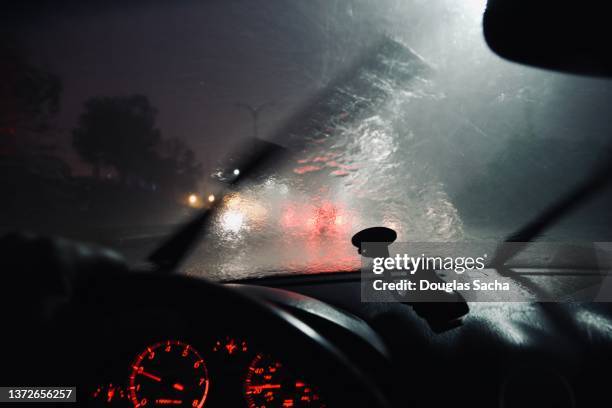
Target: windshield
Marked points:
118	122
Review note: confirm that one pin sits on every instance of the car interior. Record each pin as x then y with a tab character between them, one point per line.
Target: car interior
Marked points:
194	314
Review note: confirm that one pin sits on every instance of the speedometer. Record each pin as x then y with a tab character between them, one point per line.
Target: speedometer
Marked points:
269	384
170	373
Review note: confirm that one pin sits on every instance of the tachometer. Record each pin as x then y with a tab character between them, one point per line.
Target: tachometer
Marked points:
269	384
170	373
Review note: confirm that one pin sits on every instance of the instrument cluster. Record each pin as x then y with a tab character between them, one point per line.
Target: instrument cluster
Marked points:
225	372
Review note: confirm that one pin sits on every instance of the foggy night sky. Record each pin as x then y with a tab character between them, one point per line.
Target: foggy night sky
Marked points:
196	59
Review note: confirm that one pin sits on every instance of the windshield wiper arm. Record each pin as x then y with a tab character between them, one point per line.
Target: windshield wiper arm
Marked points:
599	178
352	92
178	245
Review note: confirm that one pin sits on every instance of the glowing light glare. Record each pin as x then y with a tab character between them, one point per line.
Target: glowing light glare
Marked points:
475	7
246	205
211	198
326	218
236	172
193	199
233	201
232	221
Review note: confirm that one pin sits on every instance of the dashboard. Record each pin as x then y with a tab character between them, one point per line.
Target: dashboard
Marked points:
139	339
223	371
171	341
136	339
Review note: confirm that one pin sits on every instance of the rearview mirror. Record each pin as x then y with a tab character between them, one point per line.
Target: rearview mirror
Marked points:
565	36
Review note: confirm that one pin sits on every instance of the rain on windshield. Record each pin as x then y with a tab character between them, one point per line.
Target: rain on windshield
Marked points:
123	120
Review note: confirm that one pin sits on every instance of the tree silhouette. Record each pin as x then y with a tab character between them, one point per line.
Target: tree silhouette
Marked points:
118	132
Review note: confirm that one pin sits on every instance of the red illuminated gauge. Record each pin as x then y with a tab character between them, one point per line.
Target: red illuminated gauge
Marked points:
108	394
169	373
268	384
230	346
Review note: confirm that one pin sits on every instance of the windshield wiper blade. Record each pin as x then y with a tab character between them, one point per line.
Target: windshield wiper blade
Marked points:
582	193
362	87
167	257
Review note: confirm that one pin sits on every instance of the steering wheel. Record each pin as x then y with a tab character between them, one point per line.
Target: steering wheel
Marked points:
67	306
212	307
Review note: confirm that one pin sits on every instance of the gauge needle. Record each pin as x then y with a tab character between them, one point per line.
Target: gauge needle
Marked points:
140	371
151	376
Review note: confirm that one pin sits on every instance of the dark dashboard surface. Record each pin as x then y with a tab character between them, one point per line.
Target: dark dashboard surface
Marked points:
171	341
502	354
